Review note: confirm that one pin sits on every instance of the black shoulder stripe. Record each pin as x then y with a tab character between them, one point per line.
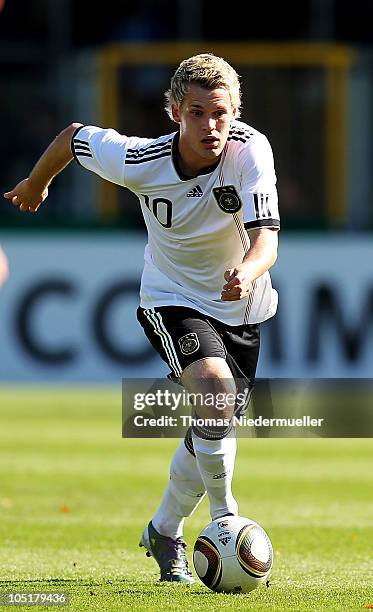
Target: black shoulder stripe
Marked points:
245	136
262	223
241	132
83	154
147	148
80	149
83	142
150	158
139	154
237	138
72	144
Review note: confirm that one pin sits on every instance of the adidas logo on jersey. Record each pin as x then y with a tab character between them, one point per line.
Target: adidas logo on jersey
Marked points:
196	192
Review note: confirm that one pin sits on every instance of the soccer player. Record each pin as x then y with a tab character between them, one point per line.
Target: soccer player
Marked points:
208	195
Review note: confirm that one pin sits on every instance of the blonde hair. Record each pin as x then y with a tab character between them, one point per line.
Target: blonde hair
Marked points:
206	70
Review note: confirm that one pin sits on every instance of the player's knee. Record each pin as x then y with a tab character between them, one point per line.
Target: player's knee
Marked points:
209	368
212	391
210	378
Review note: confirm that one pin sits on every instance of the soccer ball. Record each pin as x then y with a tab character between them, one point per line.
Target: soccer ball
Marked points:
233	554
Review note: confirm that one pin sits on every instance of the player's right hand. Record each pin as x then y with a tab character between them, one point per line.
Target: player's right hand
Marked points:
27	196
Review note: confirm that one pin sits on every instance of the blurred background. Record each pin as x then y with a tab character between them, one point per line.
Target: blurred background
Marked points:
68	307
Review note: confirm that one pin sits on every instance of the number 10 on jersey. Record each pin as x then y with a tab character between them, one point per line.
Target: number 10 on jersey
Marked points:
161	209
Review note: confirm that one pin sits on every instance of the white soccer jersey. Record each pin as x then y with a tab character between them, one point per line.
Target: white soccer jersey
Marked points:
196	226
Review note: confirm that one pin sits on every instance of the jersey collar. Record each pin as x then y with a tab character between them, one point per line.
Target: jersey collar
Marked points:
175	161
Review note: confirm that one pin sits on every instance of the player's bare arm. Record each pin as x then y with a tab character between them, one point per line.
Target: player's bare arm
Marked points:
30	193
260	257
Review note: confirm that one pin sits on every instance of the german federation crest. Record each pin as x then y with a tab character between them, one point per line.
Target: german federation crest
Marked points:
227	198
189	343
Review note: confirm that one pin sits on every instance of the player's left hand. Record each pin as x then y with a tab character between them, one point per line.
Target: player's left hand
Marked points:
238	284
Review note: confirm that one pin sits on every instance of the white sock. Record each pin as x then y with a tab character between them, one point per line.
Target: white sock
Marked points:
215	460
183	494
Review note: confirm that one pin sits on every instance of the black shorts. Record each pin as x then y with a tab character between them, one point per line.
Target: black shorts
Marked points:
183	335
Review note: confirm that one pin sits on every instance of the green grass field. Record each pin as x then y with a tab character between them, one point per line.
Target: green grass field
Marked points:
74	498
